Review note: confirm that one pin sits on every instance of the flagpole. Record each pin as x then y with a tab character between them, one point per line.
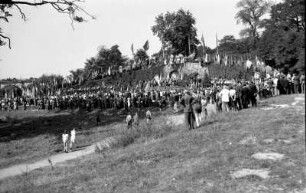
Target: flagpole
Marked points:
188	44
203	45
163	50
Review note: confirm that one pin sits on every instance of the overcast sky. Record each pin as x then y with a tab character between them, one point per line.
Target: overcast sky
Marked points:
47	44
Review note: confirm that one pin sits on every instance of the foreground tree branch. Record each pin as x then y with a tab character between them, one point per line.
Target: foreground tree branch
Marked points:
69	7
8	39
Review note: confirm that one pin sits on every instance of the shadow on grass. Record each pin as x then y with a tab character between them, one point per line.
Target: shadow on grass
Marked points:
31	124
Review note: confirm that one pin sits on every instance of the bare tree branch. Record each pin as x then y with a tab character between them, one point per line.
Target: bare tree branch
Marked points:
62	6
69	7
8	39
4	18
21	12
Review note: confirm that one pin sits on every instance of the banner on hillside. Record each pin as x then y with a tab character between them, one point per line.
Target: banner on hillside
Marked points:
109	71
248	64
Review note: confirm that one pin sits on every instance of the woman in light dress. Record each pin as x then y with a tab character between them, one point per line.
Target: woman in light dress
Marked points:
65	137
72	137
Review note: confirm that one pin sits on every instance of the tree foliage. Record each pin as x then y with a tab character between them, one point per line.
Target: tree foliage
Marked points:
229	45
176	31
109	58
282	44
69	7
251	15
141	56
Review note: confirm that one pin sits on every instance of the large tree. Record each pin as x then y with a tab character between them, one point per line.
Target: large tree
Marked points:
111	57
251	14
177	32
282	44
69	7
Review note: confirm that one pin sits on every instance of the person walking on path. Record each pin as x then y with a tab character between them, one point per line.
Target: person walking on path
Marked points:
98	120
148	116
197	109
187	101
129	121
302	81
72	137
136	119
65	137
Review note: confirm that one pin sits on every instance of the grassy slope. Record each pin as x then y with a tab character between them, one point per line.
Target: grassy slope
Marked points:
189	161
27	136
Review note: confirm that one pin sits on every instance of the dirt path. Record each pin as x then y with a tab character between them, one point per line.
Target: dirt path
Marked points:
59	158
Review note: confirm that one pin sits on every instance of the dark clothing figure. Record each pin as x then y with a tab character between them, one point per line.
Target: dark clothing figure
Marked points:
253	95
187	102
98	119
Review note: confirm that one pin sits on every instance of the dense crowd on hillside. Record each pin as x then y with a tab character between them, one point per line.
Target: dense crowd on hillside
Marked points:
159	93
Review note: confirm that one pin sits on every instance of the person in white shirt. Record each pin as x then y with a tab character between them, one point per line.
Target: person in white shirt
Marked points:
225	94
65	141
129	121
148	116
72	137
275	82
129	103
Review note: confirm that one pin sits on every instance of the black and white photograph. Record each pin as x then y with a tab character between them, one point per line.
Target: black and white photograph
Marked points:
152	96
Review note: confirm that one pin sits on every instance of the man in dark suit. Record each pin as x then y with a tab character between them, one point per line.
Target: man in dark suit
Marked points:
187	101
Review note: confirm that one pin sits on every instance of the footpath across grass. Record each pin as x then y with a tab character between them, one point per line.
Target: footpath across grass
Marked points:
201	160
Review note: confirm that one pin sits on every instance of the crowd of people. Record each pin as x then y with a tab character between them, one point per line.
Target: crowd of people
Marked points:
222	95
282	84
154	95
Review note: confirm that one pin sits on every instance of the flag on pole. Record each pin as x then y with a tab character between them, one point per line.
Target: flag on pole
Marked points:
218	58
132	49
217	50
203	43
257	61
225	60
109	71
217	44
54	81
146	45
206	58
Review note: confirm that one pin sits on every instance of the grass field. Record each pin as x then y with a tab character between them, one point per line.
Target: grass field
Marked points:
27	136
177	160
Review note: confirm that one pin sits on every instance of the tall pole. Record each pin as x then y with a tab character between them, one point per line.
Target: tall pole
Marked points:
203	42
163	50
188	44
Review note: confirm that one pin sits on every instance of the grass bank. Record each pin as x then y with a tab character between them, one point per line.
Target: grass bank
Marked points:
202	160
